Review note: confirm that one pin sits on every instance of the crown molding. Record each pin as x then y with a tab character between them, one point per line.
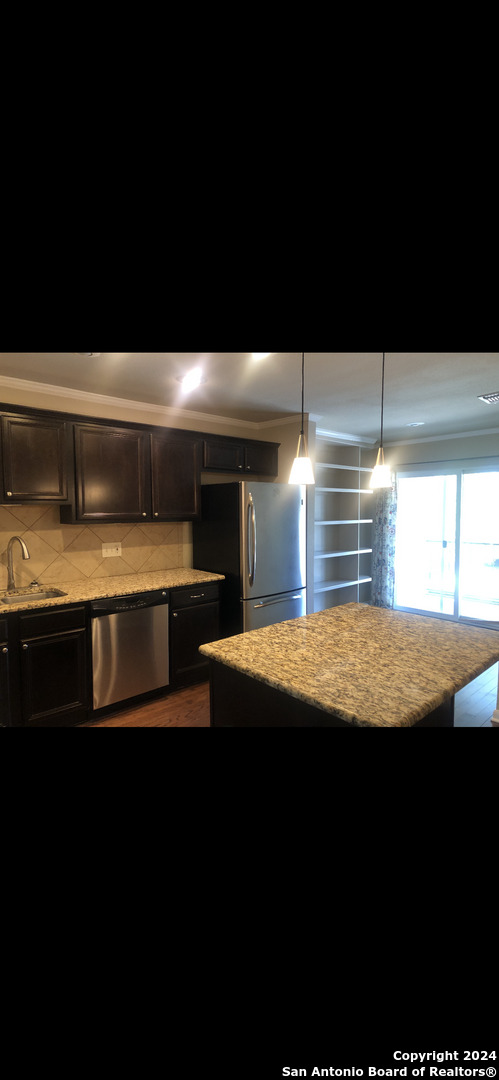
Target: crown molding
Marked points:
444	438
280	423
168	411
344	437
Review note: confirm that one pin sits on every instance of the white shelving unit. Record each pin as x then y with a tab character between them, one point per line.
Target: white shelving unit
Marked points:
343	524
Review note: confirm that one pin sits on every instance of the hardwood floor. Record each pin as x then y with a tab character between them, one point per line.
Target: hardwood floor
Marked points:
474	706
182	708
475	703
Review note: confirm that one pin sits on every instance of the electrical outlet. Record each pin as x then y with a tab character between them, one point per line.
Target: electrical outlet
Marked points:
111	551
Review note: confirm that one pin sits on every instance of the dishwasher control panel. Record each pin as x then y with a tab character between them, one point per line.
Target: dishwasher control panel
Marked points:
117	604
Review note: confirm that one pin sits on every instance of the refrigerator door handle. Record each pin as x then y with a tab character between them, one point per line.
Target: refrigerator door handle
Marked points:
251	520
282	600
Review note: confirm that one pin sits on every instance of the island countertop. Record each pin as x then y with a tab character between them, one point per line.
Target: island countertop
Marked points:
77	592
373	667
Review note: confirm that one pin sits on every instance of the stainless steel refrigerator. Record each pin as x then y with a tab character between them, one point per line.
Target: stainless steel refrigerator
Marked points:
254	534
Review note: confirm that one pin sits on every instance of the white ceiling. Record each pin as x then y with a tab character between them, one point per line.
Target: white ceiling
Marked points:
342	390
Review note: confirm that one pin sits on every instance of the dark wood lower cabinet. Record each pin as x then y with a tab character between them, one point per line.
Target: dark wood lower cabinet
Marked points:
54	680
192	627
237	700
50	668
4	685
46	658
194	621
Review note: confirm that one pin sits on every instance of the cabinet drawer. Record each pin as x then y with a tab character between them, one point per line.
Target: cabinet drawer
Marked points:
34	624
196	594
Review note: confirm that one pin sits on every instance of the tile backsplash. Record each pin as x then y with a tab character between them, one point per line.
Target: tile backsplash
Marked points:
74	552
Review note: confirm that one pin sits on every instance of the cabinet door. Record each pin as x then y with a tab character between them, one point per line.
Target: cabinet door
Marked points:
231	455
261	458
176	478
112	474
190	628
223	455
54	688
34	459
4	685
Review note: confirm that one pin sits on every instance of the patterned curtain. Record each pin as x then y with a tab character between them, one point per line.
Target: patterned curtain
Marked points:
383	559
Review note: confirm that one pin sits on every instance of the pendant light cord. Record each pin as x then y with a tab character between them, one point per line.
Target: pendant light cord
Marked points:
302	393
382	400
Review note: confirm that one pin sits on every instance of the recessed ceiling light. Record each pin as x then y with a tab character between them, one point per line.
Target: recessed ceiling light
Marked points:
260	355
490	399
87	353
192	380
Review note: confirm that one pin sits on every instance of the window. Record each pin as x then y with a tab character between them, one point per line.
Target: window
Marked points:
447	542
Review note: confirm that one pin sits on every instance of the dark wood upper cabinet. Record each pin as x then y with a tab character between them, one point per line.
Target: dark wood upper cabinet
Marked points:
176	476
260	457
35	453
224	454
111	475
100	471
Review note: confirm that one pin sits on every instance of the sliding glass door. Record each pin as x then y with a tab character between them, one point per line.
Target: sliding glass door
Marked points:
447	543
479	557
425	543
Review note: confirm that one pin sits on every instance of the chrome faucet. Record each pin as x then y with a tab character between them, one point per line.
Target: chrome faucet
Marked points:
10	571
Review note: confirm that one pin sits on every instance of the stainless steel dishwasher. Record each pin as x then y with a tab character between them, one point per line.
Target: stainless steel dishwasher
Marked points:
129	646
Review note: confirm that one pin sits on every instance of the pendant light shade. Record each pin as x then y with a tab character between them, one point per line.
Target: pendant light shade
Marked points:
381	475
302	471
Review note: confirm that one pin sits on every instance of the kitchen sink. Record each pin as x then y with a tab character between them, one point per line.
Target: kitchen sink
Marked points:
32	594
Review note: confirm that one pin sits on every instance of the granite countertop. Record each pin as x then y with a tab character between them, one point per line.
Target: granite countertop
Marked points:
79	591
373	667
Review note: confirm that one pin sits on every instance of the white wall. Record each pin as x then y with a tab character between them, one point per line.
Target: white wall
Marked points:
443	449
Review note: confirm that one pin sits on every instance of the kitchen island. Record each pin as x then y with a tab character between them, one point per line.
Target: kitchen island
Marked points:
349	666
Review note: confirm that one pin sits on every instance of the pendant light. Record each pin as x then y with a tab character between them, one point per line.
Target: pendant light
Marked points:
302	472
381	476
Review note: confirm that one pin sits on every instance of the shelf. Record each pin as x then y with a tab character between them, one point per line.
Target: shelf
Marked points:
346	468
342	466
338	554
329	586
348	491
